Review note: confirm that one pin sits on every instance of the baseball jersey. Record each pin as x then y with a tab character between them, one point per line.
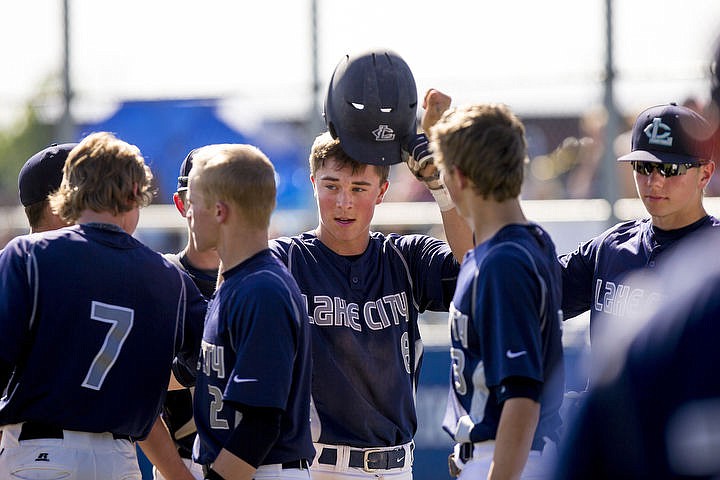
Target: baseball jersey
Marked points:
505	322
658	417
255	351
594	275
90	319
178	407
363	311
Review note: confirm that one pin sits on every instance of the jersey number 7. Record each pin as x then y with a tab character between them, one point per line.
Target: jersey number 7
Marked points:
121	322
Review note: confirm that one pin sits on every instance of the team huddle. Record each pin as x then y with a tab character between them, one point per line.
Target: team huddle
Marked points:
298	357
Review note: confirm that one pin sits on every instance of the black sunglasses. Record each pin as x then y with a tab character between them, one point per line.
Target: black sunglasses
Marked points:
664	169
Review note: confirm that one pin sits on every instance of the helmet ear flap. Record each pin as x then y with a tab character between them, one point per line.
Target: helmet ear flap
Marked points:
331	129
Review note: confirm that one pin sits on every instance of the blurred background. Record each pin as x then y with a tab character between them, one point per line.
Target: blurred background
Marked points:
169	76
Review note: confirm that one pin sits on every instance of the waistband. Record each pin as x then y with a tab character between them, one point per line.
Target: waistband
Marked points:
38	430
301	464
369	459
467	450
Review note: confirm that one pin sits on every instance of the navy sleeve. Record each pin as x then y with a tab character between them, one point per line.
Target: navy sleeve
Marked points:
17	277
185	363
578	270
279	247
433	269
510	299
265	321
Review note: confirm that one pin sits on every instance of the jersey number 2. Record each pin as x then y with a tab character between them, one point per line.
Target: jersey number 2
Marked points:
121	322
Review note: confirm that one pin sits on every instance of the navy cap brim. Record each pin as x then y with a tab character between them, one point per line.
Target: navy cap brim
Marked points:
658	157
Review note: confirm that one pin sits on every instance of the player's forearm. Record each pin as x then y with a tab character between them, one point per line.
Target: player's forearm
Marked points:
160	450
516	429
232	467
458	233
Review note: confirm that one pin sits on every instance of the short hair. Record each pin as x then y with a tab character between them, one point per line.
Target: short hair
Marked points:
325	147
103	174
240	174
487	144
35	213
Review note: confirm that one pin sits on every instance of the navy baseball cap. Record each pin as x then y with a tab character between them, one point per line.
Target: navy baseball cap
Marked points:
185	168
42	173
670	134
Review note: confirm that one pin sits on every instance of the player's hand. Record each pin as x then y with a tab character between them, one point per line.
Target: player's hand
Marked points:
435	103
421	162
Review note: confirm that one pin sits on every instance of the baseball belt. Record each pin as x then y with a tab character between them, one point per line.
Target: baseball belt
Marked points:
38	430
369	459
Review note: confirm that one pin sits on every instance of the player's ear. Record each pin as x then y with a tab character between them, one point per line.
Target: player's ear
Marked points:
706	174
312	180
222	211
179	204
383	190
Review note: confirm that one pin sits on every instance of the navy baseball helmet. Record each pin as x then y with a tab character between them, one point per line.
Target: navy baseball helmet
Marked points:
371	106
670	134
42	173
185	167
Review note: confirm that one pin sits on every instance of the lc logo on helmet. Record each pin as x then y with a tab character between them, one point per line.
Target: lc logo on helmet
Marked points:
384	134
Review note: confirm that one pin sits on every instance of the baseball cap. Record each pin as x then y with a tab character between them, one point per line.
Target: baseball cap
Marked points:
670	134
42	173
185	168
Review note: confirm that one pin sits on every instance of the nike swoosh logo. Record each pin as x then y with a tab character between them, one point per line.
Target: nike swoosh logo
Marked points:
237	379
400	459
511	354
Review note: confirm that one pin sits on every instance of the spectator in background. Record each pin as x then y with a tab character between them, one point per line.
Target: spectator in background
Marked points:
38	178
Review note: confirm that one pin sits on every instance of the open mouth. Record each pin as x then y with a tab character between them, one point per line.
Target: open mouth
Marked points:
344	221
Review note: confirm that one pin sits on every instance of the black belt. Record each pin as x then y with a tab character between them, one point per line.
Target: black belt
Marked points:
368	459
36	430
466	449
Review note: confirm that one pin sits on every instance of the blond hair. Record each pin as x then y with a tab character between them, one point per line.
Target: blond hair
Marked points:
239	174
104	174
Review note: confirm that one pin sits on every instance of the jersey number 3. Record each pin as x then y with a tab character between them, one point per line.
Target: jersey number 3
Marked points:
121	322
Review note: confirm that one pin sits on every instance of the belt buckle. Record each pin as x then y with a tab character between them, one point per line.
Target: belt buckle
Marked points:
366	454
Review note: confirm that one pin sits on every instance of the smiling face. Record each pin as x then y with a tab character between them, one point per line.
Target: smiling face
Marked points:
346	203
674	202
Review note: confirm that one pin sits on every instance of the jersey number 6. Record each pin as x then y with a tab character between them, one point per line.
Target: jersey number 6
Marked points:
121	322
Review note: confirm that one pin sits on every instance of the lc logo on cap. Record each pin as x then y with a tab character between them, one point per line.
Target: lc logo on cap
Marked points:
384	134
659	133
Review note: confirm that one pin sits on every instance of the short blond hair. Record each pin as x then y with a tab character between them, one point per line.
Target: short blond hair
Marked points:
325	147
487	144
103	174
240	174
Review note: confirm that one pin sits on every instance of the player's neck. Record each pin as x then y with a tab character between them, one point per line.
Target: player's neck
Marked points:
678	220
207	260
489	216
238	244
343	246
122	220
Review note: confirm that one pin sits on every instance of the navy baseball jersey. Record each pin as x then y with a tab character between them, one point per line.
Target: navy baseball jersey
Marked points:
505	321
658	417
90	320
594	275
178	407
363	312
255	351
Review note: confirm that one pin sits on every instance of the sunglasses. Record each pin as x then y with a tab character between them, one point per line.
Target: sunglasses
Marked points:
664	169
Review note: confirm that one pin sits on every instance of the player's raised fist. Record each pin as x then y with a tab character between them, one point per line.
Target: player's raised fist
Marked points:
435	103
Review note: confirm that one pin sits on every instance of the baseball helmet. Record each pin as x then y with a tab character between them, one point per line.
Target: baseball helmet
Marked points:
371	106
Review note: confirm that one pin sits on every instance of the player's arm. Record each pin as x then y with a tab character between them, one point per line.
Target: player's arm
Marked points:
457	231
249	443
161	451
518	421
